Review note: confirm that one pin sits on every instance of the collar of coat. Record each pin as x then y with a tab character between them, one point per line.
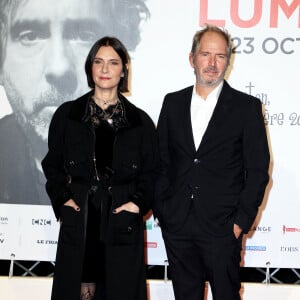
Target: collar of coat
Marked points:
79	109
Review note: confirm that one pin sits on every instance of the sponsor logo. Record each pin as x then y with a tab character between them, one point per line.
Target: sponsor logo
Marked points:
150	244
286	229
290	249
148	225
46	242
3	220
41	222
2	241
256	248
262	229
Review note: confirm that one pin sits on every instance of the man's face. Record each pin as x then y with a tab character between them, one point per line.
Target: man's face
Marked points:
46	47
210	62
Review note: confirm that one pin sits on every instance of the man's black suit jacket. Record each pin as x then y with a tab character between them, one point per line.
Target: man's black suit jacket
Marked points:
225	178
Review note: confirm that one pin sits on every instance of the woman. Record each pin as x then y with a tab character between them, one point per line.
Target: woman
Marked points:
99	169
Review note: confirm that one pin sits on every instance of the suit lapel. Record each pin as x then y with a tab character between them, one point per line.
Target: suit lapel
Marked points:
187	121
219	115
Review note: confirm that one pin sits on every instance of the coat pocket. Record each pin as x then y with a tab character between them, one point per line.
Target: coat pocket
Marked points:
69	227
126	228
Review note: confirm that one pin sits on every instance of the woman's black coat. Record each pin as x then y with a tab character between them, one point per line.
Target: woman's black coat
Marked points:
69	169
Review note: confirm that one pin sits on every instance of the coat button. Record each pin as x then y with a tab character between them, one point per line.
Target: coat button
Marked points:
109	189
197	161
134	166
129	228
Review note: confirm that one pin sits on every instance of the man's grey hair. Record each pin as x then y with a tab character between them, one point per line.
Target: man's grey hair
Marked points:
212	28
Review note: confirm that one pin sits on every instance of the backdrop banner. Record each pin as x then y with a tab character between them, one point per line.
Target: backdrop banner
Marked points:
265	64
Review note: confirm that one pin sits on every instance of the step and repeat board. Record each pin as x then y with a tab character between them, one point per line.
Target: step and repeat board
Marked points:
42	65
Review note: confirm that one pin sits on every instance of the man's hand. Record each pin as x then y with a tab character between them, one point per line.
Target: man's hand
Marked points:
237	230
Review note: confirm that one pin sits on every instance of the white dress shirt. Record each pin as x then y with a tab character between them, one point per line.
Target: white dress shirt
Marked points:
201	112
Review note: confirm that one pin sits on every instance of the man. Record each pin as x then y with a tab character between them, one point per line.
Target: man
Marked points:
214	170
42	52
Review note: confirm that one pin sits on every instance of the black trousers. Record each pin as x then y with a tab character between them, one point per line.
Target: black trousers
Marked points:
195	257
93	269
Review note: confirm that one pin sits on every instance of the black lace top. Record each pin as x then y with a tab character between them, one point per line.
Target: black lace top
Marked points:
105	124
114	115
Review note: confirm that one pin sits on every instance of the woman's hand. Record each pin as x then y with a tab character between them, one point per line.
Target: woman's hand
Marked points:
129	206
73	204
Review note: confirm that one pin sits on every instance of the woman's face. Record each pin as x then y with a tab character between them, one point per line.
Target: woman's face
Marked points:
107	69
